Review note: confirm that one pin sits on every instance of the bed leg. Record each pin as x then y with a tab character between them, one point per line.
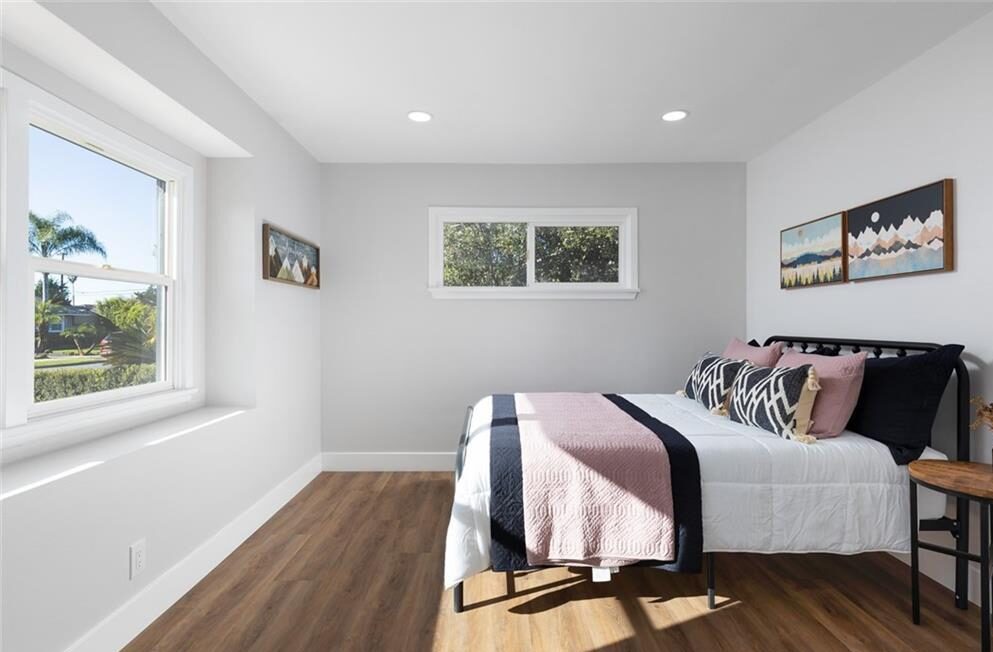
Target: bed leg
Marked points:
511	590
711	581
962	545
457	598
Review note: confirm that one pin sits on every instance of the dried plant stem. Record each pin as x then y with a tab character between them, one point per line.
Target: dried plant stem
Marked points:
984	413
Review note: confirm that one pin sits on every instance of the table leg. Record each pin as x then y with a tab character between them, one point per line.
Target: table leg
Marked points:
984	574
915	586
711	581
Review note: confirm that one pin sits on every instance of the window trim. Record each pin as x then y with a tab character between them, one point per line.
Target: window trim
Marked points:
21	419
626	219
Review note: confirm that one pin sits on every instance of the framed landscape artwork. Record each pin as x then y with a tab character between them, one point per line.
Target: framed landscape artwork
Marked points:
813	253
289	259
908	233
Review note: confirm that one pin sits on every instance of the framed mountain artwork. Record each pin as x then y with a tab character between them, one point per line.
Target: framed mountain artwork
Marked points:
908	233
813	253
289	259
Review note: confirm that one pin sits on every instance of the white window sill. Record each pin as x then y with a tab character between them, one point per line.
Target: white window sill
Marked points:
44	434
534	293
40	470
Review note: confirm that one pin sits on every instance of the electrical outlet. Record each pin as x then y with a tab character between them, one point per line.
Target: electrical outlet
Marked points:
138	558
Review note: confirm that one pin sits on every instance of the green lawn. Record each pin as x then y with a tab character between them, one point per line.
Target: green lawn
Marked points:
66	361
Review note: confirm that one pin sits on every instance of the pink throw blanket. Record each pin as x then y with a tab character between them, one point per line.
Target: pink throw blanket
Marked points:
596	483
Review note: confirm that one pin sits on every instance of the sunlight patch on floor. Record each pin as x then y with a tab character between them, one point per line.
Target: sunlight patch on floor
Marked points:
560	608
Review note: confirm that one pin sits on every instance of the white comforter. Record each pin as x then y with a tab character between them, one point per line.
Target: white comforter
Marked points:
761	493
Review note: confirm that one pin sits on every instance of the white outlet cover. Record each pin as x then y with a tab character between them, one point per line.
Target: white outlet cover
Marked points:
138	558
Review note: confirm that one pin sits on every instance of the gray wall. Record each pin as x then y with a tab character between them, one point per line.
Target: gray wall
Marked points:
399	366
65	543
929	120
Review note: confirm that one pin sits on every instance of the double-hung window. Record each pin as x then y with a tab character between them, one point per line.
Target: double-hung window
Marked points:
95	244
533	253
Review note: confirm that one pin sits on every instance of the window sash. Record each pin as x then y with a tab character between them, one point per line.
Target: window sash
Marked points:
166	360
104	273
625	219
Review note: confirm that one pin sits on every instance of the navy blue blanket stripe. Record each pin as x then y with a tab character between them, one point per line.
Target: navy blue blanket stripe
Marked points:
507	550
686	501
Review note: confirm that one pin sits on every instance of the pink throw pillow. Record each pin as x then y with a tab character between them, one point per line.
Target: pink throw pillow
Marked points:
763	356
840	378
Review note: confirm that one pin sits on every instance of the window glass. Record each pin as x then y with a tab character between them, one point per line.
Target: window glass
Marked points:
576	254
485	254
93	335
87	208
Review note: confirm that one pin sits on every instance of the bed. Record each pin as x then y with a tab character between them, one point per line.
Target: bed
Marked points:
759	492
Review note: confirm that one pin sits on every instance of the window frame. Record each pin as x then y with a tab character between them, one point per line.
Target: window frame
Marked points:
23	106
626	219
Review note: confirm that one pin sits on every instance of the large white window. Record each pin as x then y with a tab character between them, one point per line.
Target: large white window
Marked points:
532	253
95	260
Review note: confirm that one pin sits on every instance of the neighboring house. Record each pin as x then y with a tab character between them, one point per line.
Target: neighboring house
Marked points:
71	316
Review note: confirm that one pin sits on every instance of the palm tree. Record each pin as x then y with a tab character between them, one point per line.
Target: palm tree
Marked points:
83	333
44	316
57	236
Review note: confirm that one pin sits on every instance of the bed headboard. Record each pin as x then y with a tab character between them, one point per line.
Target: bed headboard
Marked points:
900	349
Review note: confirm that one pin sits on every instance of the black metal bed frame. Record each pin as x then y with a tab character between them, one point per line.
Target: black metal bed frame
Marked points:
958	527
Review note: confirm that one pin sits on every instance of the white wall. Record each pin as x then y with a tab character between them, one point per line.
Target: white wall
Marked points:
400	366
929	120
65	543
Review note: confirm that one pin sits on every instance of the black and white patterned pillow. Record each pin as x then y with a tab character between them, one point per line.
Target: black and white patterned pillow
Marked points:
777	399
711	379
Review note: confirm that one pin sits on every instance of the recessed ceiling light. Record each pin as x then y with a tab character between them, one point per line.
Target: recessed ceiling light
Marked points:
674	116
419	116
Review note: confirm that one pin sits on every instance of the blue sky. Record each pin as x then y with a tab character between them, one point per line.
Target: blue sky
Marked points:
119	204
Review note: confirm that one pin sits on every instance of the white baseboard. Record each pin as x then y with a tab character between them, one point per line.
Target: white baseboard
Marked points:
388	461
127	621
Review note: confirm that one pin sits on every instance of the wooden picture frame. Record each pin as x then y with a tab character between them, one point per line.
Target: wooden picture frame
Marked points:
914	243
811	263
290	259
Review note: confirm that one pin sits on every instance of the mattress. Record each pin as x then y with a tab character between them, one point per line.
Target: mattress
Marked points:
761	493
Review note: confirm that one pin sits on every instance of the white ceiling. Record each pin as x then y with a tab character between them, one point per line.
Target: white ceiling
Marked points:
33	29
556	82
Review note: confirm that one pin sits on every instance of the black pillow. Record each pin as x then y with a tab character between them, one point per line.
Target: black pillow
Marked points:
710	380
899	400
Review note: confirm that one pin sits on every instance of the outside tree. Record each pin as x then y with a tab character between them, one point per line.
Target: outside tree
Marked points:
135	320
44	316
57	236
486	254
84	333
495	254
576	254
52	291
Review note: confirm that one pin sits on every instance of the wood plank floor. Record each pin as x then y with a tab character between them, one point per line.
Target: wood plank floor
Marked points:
354	562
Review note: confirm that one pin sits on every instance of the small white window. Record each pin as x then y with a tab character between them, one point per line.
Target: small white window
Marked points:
96	250
533	253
